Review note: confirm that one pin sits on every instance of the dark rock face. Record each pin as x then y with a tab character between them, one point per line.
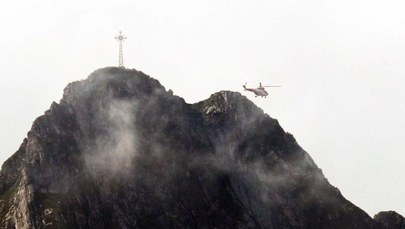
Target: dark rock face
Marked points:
119	151
390	220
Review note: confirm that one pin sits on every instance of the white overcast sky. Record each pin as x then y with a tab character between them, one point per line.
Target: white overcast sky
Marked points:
341	64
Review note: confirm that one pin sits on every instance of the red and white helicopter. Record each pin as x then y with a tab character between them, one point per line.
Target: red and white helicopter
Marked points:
260	91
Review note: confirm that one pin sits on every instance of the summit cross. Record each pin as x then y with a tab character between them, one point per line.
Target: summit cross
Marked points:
120	37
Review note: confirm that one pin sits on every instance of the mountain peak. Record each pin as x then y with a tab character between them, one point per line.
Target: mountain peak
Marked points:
121	151
113	82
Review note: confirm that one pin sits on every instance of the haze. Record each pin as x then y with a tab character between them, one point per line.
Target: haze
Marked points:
341	65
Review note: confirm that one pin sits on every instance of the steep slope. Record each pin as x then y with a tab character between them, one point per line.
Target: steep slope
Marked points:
119	151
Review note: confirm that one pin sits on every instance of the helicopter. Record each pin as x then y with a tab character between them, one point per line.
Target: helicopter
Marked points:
260	91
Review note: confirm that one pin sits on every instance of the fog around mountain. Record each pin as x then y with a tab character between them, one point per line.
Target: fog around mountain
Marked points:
340	65
119	150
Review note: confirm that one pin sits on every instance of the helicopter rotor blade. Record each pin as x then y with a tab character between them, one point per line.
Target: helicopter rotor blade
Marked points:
271	86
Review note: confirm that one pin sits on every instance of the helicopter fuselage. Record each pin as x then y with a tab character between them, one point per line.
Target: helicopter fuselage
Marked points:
258	91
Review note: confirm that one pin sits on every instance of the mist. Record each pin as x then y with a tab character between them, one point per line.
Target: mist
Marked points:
116	148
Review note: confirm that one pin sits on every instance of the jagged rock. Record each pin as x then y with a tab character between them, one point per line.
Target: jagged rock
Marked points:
119	151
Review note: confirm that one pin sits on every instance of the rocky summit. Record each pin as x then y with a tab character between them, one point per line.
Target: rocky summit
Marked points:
119	151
